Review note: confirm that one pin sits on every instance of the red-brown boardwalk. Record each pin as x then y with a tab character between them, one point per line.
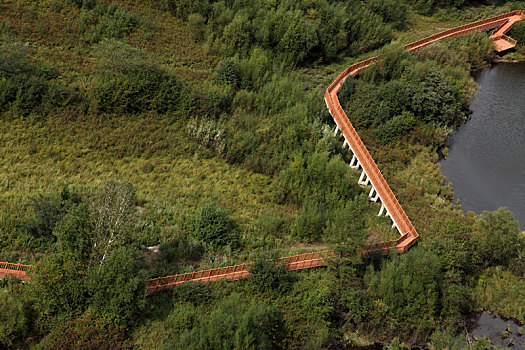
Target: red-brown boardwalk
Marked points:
362	159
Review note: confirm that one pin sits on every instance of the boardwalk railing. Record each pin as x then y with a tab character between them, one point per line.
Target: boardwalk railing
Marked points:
236	272
15	270
409	236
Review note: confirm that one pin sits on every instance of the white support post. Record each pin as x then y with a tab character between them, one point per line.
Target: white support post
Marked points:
345	144
376	198
364	179
398	230
371	194
381	210
354	163
336	130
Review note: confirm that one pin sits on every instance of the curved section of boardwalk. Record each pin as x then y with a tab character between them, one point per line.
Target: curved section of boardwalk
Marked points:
389	201
501	25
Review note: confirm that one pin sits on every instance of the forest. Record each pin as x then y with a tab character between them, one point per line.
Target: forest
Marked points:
145	138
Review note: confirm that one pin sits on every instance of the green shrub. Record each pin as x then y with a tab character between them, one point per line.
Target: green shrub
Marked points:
58	289
181	250
13	319
269	278
235	324
86	332
131	81
395	128
72	232
310	223
26	86
518	32
346	224
117	22
229	73
214	227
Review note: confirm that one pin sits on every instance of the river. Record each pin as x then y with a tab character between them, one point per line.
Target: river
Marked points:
486	156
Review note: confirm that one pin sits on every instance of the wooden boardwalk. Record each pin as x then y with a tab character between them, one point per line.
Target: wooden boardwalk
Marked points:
370	172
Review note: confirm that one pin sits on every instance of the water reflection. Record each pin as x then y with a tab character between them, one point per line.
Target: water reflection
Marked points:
486	158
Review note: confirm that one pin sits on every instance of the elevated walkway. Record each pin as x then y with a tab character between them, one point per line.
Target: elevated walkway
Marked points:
361	159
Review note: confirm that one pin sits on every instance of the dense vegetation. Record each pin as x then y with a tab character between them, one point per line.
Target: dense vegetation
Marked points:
168	136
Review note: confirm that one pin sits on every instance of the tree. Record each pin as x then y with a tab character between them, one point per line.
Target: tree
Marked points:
73	232
113	214
117	287
58	289
298	39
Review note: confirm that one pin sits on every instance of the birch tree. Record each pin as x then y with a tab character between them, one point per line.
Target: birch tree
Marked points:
113	212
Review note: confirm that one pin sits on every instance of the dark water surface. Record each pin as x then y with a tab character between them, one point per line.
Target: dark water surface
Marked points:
497	330
486	157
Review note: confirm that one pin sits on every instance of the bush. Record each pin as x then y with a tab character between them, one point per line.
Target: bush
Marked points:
48	210
229	73
13	319
117	22
395	127
214	227
58	289
72	232
86	332
131	81
235	324
405	295
269	278
310	223
346	224
26	86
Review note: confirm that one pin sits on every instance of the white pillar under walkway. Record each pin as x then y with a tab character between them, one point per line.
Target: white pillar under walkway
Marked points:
364	179
354	163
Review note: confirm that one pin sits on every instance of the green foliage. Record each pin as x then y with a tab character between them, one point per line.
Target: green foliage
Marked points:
13	319
501	292
99	20
406	295
58	289
499	240
319	177
399	93
518	32
86	332
25	86
310	223
48	210
117	21
346	224
214	227
396	127
298	32
131	81
235	324
72	232
396	344
228	72
269	278
118	287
